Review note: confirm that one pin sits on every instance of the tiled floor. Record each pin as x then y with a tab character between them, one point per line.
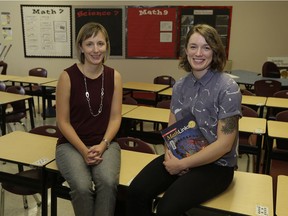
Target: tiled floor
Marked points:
14	203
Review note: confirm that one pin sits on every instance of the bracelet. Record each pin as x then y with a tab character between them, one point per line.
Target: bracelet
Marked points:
107	142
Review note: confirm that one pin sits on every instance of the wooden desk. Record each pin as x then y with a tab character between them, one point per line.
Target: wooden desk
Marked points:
257	101
282	195
127	108
143	86
246	192
131	164
150	114
7	77
6	98
146	87
32	79
276	129
277	102
166	92
28	149
252	125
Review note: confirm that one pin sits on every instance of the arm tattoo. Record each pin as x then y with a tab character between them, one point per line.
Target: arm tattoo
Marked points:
230	124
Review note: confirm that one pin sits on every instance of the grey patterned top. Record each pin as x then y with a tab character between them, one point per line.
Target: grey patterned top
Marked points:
215	96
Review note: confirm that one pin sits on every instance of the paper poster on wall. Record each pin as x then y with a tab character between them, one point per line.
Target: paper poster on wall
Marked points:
47	31
5	18
151	32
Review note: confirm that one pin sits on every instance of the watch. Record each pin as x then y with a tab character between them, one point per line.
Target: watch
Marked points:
107	142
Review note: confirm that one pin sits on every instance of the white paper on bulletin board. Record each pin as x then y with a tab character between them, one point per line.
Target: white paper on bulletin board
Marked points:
281	62
47	31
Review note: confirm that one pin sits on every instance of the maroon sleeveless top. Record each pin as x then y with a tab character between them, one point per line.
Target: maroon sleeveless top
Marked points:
90	129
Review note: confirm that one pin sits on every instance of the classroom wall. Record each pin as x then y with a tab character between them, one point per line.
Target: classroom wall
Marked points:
258	30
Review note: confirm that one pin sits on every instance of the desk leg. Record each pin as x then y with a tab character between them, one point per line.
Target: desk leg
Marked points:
261	112
259	149
43	102
267	158
44	193
30	101
54	196
3	116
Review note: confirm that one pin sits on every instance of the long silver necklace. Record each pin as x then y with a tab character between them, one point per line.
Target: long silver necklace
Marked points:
88	95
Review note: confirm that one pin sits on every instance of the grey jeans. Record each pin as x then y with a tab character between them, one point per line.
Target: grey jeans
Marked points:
93	188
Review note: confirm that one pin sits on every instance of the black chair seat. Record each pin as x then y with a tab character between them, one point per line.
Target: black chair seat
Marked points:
15	117
20	190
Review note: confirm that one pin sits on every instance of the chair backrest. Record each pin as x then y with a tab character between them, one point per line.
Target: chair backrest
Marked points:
47	130
244	137
135	144
5	66
281	94
165	80
246	92
129	100
282	116
164	104
2	86
267	87
18	106
39	72
282	143
270	69
248	112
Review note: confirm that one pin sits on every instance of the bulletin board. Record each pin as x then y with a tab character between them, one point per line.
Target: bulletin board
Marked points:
110	18
47	31
217	16
151	32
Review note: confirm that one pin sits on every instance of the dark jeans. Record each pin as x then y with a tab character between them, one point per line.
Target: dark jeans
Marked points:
181	192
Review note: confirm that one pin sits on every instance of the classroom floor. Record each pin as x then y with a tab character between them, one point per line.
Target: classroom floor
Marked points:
14	203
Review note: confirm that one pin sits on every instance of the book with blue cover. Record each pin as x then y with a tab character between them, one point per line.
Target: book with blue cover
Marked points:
184	138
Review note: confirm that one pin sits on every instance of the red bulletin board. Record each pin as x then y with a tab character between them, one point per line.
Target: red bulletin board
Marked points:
151	32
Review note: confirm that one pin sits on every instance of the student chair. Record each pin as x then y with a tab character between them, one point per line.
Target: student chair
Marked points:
270	69
164	80
47	130
266	87
4	69
135	144
36	90
2	86
35	174
18	108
